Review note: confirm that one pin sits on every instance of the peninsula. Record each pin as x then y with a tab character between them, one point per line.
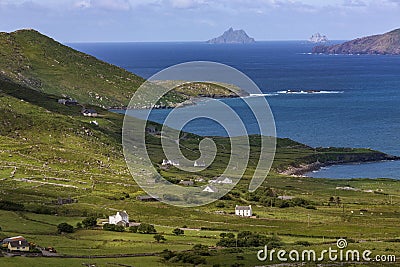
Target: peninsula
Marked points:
382	44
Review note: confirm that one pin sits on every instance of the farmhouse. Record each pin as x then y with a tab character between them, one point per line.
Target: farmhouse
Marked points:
121	218
210	189
89	112
222	180
244	211
17	243
9	239
21	245
68	102
170	162
186	183
199	164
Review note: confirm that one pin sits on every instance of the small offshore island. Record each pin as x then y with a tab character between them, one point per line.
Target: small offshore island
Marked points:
232	36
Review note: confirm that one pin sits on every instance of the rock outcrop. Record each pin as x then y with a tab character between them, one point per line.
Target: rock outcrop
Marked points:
232	36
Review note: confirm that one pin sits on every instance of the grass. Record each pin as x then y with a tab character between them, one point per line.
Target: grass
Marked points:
39	62
52	146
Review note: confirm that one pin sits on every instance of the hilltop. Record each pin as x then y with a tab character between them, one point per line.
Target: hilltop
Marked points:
232	36
32	59
382	44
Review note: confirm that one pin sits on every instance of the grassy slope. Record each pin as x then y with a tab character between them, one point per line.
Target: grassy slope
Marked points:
44	141
35	60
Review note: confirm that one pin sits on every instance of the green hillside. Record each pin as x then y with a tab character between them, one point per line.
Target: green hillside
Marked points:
50	151
29	58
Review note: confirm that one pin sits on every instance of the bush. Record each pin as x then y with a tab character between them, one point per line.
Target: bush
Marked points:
79	225
146	228
8	205
89	222
133	229
159	237
65	228
113	227
178	231
220	205
184	257
310	207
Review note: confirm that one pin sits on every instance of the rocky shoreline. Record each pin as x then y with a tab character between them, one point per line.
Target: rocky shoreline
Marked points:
302	169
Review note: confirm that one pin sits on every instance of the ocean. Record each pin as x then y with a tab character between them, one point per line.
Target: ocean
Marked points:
358	106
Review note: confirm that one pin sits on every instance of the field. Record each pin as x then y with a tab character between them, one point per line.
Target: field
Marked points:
50	151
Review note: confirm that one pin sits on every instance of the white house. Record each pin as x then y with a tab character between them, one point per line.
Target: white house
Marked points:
222	180
199	164
121	218
244	211
170	162
210	189
89	112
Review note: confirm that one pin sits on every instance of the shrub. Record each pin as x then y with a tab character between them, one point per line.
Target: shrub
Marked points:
8	205
159	237
178	231
220	205
113	227
133	229
146	228
89	222
79	225
65	228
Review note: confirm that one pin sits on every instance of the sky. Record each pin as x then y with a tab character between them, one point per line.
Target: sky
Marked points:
198	20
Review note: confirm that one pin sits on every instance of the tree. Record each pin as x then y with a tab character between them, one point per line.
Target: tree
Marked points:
159	237
146	228
178	231
222	235
65	228
79	225
89	222
113	227
230	235
133	229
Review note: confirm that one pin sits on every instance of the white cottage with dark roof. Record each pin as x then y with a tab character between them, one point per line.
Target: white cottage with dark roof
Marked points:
244	211
121	218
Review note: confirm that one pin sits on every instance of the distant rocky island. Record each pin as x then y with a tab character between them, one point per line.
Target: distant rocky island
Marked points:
318	38
382	44
232	36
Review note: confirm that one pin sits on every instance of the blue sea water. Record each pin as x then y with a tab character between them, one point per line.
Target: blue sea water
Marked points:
362	111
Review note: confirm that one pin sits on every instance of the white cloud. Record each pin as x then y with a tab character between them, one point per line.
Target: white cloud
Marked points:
186	3
116	5
354	3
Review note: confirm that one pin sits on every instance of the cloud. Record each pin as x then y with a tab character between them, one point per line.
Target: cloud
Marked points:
115	5
184	4
354	3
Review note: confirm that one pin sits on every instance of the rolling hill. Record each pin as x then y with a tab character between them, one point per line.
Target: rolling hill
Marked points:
34	60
